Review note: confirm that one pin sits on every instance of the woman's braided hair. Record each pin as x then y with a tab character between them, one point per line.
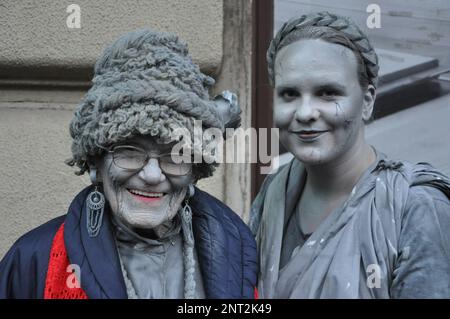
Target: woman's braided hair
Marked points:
332	28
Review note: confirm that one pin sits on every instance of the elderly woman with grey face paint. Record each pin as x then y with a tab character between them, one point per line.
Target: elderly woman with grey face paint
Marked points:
342	220
141	230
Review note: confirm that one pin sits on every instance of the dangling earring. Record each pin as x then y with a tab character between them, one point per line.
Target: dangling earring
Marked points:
95	204
188	247
186	216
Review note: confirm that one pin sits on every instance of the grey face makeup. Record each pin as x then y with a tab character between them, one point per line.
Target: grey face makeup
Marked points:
318	101
142	198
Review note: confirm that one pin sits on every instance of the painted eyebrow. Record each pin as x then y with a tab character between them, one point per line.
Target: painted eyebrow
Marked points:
286	87
331	86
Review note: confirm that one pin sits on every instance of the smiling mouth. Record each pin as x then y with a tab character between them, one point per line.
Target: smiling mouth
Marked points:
309	135
146	196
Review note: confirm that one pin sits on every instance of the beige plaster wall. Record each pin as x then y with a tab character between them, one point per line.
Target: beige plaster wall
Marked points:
34	34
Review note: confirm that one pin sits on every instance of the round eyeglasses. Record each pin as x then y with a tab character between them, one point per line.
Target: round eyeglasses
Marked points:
134	158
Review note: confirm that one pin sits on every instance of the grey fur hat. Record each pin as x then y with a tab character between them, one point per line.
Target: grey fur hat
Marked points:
145	83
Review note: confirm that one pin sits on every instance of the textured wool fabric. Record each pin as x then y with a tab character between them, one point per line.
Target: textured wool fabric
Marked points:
145	83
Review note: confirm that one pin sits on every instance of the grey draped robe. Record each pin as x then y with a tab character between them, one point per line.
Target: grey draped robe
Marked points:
389	239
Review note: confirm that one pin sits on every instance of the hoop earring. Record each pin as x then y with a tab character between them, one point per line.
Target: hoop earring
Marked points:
95	204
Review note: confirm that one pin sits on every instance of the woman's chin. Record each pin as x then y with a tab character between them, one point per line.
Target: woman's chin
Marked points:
142	220
309	156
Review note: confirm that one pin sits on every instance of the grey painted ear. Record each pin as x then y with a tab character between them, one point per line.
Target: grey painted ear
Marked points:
227	105
369	101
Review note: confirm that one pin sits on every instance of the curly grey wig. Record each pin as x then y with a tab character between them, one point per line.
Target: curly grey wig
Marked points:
145	83
331	28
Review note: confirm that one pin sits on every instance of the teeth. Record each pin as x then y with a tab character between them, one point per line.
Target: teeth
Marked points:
145	194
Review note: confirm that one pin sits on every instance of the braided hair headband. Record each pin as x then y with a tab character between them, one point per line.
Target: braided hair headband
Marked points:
340	24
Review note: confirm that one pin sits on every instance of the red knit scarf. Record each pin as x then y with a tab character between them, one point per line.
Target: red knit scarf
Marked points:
61	283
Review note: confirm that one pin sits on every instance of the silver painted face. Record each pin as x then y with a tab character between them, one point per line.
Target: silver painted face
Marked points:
318	102
144	198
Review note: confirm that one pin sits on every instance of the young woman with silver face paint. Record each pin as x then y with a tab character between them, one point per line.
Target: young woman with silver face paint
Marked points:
141	230
342	220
